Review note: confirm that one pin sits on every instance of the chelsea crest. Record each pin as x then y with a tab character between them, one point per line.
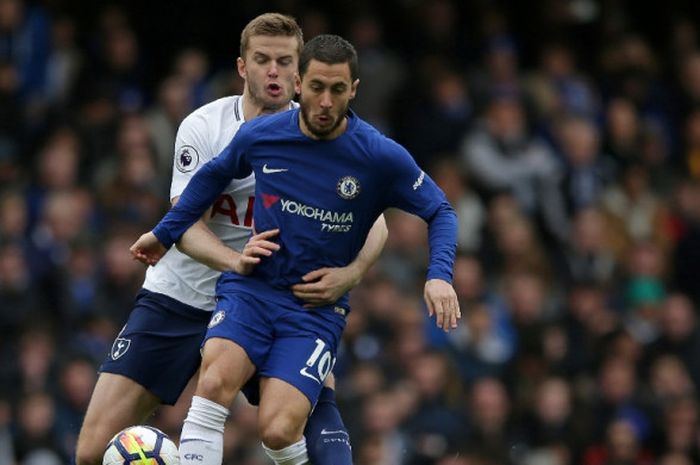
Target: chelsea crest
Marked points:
348	187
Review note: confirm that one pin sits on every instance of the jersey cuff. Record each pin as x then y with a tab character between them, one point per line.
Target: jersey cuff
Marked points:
439	275
163	236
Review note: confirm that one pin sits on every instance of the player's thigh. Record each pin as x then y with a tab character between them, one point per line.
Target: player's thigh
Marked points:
291	381
283	412
225	369
159	346
330	381
117	402
238	340
304	360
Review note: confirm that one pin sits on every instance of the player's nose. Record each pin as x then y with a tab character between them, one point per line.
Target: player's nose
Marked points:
273	70
326	101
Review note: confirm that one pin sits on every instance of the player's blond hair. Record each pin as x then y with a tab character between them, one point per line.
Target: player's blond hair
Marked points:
271	24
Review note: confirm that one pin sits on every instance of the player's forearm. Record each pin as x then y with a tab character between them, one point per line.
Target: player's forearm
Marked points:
442	236
371	250
201	244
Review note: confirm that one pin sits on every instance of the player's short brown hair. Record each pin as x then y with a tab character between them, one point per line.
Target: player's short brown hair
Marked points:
271	24
329	49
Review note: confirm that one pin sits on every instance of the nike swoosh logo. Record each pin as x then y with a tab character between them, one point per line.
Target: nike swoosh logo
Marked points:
193	440
303	372
340	431
267	170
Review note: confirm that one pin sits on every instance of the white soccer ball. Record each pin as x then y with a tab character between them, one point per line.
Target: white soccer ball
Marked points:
141	445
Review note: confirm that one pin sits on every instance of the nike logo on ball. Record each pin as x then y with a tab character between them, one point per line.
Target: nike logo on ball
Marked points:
267	170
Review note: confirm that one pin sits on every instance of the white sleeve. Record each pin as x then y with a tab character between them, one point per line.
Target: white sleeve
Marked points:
192	150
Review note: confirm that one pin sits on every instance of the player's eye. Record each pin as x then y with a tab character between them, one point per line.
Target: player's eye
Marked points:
285	61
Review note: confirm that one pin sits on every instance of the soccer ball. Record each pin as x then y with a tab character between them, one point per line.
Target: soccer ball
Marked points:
141	445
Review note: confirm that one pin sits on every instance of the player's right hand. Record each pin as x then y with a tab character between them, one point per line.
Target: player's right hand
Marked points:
257	246
147	249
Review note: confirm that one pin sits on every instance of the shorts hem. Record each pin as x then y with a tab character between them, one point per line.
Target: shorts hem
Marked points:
291	383
163	398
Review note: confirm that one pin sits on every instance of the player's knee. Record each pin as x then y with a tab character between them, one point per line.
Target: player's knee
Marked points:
212	386
280	433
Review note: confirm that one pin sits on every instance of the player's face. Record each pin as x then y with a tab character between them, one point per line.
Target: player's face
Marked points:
270	72
326	91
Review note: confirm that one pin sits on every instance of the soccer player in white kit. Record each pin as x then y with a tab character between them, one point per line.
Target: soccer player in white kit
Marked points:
157	351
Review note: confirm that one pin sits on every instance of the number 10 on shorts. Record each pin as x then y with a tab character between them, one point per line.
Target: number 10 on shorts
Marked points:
319	364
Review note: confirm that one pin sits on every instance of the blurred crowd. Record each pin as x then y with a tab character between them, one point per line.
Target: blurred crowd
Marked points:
565	133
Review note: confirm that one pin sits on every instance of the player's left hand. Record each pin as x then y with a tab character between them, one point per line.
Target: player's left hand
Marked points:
147	249
326	285
258	246
442	302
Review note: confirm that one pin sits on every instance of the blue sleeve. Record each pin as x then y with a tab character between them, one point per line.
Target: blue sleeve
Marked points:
413	191
202	190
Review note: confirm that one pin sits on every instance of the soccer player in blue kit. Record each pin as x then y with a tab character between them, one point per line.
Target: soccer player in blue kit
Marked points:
322	178
157	352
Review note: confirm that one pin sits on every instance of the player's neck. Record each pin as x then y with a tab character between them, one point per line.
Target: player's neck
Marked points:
252	108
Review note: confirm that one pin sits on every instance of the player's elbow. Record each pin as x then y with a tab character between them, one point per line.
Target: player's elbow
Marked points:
444	213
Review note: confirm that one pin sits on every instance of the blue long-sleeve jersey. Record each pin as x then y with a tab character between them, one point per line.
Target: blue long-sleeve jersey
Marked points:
323	195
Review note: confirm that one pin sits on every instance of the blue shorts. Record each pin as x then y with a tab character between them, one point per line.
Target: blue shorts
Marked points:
159	345
282	340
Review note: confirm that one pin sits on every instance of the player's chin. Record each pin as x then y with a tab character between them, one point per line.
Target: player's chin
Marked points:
323	131
280	97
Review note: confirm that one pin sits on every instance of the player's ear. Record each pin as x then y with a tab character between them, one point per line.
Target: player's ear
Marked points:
297	83
353	88
240	64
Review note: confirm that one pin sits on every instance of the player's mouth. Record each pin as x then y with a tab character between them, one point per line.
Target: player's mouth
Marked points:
324	119
274	89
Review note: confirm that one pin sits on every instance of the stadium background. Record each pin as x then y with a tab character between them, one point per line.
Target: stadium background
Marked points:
565	132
